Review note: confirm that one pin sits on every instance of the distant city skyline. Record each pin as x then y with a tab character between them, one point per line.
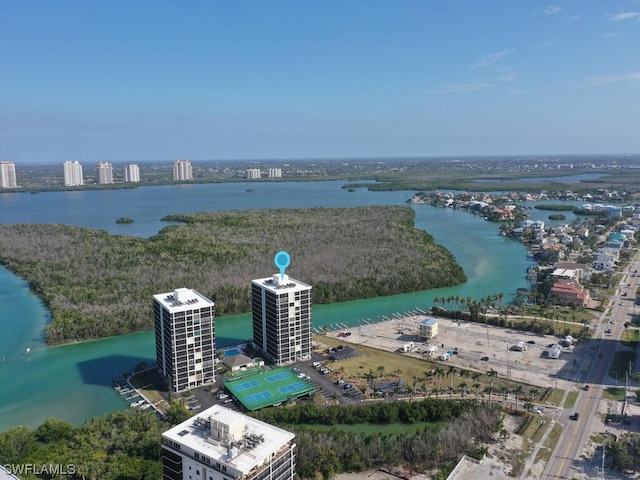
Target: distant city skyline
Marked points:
153	81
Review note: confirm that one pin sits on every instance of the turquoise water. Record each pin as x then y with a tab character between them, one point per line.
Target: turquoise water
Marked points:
73	382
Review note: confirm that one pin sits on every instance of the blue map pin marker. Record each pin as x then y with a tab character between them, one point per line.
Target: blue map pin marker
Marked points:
282	261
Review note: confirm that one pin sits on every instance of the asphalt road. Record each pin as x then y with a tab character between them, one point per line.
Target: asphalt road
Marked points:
575	433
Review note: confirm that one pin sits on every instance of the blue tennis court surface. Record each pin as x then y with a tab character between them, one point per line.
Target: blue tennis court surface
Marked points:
257	397
277	376
249	384
291	388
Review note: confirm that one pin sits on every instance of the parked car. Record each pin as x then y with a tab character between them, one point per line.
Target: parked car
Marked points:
346	386
531	342
586	388
484	359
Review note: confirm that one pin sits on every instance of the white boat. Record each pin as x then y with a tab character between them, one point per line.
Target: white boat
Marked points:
138	403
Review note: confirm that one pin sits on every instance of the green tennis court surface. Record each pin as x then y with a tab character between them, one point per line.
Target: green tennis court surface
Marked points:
264	389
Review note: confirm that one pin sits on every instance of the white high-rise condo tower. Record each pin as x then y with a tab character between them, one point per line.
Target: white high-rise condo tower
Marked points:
182	170
8	175
104	173
132	173
72	174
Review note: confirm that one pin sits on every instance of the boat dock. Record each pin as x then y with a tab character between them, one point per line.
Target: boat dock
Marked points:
397	316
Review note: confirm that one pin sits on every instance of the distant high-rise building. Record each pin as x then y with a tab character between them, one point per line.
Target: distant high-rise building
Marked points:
281	308
274	172
131	173
253	173
222	444
182	170
73	174
185	338
8	175
104	173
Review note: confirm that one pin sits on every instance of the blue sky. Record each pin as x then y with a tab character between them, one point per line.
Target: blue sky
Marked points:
158	80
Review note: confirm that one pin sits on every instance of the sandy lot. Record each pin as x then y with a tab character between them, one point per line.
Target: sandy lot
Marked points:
474	342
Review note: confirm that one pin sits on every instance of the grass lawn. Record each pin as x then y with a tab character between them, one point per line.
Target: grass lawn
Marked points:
544	454
613	393
630	337
563	313
148	384
621	364
555	397
571	400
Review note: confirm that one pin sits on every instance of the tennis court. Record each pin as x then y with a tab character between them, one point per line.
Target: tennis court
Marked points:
268	388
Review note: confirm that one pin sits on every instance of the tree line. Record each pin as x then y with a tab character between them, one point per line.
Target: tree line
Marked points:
121	445
97	284
468	427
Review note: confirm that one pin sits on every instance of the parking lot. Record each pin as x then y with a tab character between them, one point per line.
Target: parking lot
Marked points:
476	347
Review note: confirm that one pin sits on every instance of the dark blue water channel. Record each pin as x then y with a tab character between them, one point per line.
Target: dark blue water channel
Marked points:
73	382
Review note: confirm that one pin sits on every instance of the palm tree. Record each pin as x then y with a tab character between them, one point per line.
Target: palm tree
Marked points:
491	374
363	389
452	371
463	388
516	393
439	373
504	390
476	388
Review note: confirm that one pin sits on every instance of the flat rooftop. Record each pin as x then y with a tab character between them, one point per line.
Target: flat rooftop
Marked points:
280	284
194	433
429	322
183	299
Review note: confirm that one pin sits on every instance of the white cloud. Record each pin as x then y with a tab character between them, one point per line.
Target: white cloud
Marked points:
462	87
552	9
624	77
493	58
625	16
611	35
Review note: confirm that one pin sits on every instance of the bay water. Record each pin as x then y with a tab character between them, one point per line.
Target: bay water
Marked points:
74	382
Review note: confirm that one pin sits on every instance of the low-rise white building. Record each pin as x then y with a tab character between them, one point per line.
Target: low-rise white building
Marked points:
222	444
555	351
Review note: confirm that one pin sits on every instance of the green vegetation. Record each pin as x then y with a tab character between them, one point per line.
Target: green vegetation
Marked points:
323	453
124	220
614	393
620	365
127	444
117	446
630	337
557	217
626	451
571	399
556	207
544	454
97	284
